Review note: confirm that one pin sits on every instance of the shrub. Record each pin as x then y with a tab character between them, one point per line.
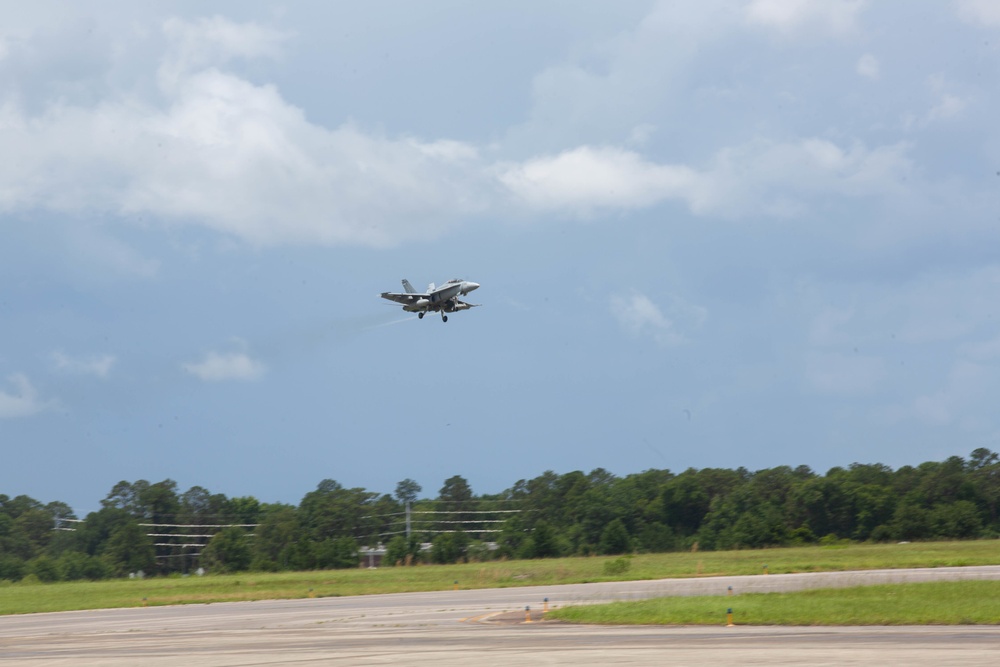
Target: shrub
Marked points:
11	569
74	565
449	547
263	564
617	566
44	568
802	535
832	541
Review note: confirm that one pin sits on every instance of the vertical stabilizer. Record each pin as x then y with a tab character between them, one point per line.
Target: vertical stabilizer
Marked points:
408	287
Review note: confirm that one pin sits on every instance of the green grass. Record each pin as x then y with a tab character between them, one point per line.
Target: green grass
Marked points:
26	598
935	603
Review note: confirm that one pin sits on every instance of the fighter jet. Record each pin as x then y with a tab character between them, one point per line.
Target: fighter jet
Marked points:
443	299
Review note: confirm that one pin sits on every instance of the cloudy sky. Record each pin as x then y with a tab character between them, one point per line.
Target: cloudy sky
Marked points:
708	234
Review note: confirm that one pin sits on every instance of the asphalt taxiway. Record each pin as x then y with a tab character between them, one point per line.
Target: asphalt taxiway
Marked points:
450	628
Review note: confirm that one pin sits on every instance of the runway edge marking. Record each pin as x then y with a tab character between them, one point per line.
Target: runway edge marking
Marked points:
482	618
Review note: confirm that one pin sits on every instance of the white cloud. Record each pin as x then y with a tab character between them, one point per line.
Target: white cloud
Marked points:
788	16
226	154
760	177
868	67
217	151
22	400
98	365
949	107
213	41
811	166
216	367
586	178
639	316
641	134
981	12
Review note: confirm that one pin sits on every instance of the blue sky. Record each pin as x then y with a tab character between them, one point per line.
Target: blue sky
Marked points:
708	234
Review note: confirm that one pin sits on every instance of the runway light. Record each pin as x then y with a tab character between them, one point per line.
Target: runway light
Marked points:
729	618
730	590
456	584
545	609
765	568
527	614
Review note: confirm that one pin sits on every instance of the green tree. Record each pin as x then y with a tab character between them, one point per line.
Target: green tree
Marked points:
93	534
244	510
129	549
334	511
198	506
37	525
74	565
299	555
449	547
11	567
228	551
402	551
277	531
407	491
159	502
910	522
615	539
984	475
337	553
455	490
126	496
656	537
685	501
959	519
44	568
14	542
543	541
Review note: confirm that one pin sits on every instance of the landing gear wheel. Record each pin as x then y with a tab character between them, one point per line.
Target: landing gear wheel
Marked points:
444	318
420	316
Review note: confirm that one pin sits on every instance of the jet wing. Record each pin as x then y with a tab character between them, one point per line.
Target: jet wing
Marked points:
405	299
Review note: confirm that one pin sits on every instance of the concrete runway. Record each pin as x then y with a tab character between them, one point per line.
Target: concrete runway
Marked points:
450	628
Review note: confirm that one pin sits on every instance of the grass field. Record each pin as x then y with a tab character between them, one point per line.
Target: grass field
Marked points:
935	603
25	598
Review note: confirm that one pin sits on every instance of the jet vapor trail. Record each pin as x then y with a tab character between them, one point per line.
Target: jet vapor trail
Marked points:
385	324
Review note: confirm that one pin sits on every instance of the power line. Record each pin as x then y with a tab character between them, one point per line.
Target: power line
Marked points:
469	521
467	512
199	525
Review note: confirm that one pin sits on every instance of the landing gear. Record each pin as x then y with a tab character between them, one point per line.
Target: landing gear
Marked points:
444	318
420	316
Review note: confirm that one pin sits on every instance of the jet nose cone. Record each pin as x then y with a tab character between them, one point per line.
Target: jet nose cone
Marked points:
471	286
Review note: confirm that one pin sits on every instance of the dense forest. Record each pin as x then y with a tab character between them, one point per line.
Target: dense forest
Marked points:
152	528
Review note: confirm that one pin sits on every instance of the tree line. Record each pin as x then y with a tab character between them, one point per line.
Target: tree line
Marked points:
153	528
